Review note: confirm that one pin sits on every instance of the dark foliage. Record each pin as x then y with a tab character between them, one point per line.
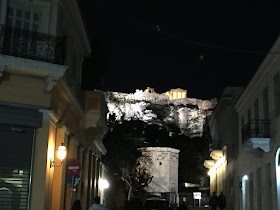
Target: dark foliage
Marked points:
123	141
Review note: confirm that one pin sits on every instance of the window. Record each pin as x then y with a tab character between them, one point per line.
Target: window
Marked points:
23	17
257	116
242	122
257	109
249	117
277	95
27	15
251	191
265	103
268	185
259	188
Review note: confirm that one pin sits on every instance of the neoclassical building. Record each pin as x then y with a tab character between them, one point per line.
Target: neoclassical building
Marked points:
42	47
250	126
224	147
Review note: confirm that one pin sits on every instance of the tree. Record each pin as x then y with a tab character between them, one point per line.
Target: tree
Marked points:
124	158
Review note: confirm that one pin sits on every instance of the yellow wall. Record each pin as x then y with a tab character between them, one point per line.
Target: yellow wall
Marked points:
23	89
50	171
59	174
39	170
217	179
71	153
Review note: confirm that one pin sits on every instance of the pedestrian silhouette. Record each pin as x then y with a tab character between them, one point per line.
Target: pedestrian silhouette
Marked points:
222	201
214	201
97	205
76	205
183	206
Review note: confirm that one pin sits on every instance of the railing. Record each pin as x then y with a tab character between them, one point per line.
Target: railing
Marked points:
256	129
31	45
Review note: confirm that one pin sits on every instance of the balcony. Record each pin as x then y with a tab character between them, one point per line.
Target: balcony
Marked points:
256	135
31	45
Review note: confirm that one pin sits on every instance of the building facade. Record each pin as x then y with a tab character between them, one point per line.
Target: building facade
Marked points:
42	47
223	146
258	118
252	178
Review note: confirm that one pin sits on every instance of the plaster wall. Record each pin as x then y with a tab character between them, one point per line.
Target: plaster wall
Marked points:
249	163
40	170
24	89
59	173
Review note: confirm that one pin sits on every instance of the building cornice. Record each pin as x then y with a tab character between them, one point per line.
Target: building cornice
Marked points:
74	18
21	66
64	89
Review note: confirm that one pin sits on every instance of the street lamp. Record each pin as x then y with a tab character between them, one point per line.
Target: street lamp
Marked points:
61	153
245	177
103	184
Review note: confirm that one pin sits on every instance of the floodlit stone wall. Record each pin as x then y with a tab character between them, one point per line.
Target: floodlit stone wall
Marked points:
188	114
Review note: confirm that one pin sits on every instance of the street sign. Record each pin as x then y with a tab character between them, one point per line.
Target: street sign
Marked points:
68	180
73	167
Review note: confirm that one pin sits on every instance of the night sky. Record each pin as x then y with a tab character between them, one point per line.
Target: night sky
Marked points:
199	46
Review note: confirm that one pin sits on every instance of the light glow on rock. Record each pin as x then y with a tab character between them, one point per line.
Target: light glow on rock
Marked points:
188	114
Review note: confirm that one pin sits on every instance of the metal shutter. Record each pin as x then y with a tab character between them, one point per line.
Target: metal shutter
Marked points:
20	116
15	166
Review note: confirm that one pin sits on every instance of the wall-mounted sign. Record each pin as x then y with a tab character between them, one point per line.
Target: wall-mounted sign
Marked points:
197	195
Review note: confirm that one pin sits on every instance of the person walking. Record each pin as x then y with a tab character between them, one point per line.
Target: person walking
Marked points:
97	205
214	201
222	201
76	205
134	203
183	206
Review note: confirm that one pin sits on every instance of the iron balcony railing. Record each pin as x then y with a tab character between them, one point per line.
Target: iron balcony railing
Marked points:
31	45
256	129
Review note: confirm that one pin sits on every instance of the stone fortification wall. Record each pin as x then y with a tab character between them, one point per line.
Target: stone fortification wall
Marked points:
188	114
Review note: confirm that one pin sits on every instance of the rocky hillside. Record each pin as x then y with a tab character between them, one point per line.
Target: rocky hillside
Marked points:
184	115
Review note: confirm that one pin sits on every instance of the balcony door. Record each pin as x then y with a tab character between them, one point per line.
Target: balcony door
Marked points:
23	18
19	36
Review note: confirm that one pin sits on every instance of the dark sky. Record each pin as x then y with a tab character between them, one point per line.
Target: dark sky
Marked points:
169	44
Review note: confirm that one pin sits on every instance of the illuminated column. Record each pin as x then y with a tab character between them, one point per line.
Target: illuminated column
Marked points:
84	179
90	180
42	174
96	192
72	153
277	168
59	172
244	194
174	95
80	158
179	95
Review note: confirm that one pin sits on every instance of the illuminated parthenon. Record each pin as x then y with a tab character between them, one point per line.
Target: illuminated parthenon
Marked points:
172	94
